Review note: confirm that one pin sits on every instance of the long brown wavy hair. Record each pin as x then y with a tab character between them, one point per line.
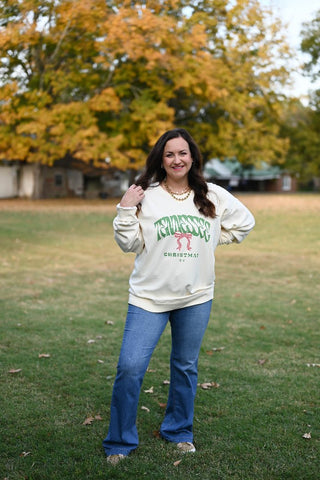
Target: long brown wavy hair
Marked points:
154	172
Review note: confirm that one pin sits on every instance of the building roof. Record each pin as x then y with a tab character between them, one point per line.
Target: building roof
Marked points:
232	169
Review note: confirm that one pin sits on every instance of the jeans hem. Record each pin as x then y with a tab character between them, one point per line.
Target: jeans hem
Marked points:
117	451
176	439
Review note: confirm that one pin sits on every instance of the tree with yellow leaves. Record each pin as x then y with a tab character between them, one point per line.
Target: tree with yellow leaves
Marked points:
93	80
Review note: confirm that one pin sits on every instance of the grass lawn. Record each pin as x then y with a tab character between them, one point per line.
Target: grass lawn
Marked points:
63	294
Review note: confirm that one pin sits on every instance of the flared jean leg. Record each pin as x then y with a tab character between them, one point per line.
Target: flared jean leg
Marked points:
188	326
142	332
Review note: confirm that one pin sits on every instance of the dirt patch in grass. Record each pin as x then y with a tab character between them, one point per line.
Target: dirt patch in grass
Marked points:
281	201
254	201
59	204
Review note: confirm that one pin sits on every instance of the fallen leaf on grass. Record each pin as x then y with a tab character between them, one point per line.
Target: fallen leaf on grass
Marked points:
208	385
100	361
44	355
89	420
215	349
15	370
146	409
306	435
162	405
262	361
91	341
25	454
109	322
150	390
177	463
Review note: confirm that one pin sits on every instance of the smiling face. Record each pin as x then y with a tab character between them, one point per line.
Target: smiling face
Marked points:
177	160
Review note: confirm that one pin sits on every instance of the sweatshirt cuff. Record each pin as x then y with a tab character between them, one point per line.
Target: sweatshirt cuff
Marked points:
125	211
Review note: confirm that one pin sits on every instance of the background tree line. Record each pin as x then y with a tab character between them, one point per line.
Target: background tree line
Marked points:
98	81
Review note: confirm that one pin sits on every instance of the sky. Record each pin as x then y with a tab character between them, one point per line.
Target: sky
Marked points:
294	13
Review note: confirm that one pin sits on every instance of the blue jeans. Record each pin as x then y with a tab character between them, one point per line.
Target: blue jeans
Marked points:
142	332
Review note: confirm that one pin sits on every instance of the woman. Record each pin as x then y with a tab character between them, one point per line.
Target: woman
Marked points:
173	220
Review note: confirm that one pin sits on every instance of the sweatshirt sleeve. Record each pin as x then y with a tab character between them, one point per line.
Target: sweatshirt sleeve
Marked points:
236	220
127	231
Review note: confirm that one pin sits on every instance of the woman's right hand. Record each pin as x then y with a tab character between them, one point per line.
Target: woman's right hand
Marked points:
132	197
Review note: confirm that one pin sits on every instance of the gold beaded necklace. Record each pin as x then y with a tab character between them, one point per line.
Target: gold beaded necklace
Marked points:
177	195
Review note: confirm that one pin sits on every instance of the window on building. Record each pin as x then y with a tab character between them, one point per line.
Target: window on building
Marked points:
58	180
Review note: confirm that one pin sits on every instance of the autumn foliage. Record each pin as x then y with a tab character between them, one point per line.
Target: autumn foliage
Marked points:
99	81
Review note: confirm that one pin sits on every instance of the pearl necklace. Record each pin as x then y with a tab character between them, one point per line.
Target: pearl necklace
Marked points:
177	195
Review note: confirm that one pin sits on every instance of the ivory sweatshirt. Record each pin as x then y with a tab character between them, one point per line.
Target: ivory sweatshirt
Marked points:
175	244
